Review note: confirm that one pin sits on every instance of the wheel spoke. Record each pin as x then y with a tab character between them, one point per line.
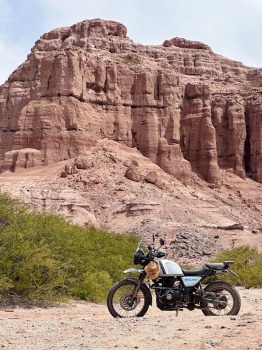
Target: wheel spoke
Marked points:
121	302
226	304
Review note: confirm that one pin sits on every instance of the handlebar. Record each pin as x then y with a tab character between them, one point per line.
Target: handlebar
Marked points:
156	253
152	251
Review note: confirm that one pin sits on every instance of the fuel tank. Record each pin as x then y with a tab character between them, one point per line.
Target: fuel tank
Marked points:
170	268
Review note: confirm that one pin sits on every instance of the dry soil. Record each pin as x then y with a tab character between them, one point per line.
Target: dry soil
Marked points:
81	325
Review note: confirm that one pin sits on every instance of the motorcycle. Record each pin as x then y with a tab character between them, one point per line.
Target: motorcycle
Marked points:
175	288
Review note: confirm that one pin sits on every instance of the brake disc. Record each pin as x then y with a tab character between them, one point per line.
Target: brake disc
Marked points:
128	303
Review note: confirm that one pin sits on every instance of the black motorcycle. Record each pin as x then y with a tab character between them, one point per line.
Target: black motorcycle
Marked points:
175	288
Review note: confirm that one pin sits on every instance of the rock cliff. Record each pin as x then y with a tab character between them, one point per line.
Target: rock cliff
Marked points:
189	110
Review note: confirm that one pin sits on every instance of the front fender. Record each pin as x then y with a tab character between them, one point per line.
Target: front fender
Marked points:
133	269
145	288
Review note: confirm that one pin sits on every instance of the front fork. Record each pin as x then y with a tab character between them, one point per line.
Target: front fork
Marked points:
138	286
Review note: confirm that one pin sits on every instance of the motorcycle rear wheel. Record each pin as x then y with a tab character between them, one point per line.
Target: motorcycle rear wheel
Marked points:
120	302
227	294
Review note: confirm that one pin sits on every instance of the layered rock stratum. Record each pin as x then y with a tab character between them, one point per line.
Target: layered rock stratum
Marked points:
162	138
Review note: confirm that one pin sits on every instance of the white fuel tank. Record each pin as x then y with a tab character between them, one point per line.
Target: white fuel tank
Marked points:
170	268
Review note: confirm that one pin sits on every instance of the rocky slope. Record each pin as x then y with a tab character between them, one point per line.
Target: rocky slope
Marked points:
115	187
136	138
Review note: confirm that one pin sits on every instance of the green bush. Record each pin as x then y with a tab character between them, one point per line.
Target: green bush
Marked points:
129	59
44	258
248	266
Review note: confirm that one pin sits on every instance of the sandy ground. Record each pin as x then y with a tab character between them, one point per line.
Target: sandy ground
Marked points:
81	325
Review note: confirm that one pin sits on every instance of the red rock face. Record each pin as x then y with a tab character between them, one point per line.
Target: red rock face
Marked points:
187	109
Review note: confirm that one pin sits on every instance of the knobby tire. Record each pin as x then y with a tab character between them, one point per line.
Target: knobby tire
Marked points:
228	294
118	297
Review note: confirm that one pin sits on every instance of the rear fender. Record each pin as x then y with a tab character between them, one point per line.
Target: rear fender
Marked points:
144	287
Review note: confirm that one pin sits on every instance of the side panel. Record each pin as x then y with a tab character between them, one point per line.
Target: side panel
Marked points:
190	281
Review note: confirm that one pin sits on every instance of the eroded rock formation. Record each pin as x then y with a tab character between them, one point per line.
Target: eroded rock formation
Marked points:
184	107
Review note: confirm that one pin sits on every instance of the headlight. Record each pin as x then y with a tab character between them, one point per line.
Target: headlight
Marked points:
152	270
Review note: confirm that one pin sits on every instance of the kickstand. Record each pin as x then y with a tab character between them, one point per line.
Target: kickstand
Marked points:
177	309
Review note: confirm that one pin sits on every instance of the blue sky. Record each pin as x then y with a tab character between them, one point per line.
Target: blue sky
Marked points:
232	28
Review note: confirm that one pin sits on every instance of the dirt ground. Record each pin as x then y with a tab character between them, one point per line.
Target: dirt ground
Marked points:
81	325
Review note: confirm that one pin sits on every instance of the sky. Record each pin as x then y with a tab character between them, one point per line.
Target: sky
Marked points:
232	28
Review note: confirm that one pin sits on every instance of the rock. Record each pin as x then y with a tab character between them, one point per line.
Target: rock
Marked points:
151	177
160	184
21	158
133	174
206	252
186	44
130	163
91	220
179	104
198	135
70	169
232	227
83	163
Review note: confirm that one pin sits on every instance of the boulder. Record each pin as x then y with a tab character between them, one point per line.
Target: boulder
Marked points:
151	177
21	158
133	174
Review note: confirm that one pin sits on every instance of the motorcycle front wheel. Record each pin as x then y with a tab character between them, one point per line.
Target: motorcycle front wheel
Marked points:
223	298
121	303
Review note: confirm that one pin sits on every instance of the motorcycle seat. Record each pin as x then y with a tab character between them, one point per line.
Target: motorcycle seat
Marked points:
200	272
216	266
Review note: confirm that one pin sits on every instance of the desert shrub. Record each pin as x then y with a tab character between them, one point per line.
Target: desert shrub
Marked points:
248	266
45	258
247	86
129	59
